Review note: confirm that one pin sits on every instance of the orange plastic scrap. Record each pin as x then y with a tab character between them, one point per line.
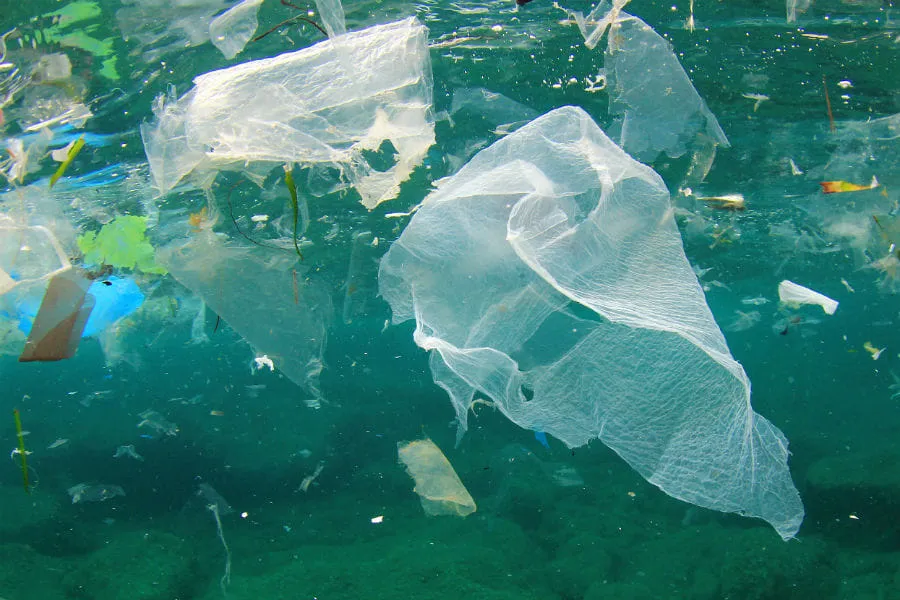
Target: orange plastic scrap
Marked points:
837	187
60	320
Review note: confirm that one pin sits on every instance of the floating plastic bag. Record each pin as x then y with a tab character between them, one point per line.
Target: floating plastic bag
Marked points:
549	275
795	294
328	104
437	484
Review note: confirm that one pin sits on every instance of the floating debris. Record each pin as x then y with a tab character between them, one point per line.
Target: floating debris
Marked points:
94	493
309	479
875	352
128	451
757	98
838	187
158	423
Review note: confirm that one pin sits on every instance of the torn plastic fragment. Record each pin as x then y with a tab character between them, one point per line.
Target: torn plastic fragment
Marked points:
795	294
94	493
60	320
439	488
230	31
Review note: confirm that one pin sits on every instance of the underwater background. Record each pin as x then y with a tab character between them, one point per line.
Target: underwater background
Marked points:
205	473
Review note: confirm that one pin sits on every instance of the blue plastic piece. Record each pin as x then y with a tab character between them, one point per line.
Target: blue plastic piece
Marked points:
114	298
542	438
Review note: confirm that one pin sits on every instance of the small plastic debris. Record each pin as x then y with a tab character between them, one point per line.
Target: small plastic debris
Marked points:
853	516
726	202
158	423
838	187
262	361
439	488
309	479
211	497
757	98
377	520
795	294
58	443
71	151
128	451
875	352
94	493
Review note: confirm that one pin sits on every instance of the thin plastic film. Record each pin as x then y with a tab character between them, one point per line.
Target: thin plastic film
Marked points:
439	488
328	104
230	31
659	108
264	296
549	275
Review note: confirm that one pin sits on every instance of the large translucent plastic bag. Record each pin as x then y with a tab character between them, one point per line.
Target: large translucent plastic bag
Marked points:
549	275
328	104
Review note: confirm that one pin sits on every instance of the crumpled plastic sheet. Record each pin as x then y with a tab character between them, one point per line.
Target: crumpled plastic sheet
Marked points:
548	274
328	104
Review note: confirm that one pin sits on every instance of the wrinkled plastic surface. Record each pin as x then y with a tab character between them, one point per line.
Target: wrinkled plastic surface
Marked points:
263	294
549	275
439	488
327	104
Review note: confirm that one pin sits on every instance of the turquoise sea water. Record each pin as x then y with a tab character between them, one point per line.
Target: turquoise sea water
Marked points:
552	522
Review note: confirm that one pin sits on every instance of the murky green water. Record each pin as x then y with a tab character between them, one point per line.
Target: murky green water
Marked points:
312	502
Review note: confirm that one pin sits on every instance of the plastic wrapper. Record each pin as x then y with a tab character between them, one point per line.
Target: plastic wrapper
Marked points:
549	275
328	104
795	294
439	488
